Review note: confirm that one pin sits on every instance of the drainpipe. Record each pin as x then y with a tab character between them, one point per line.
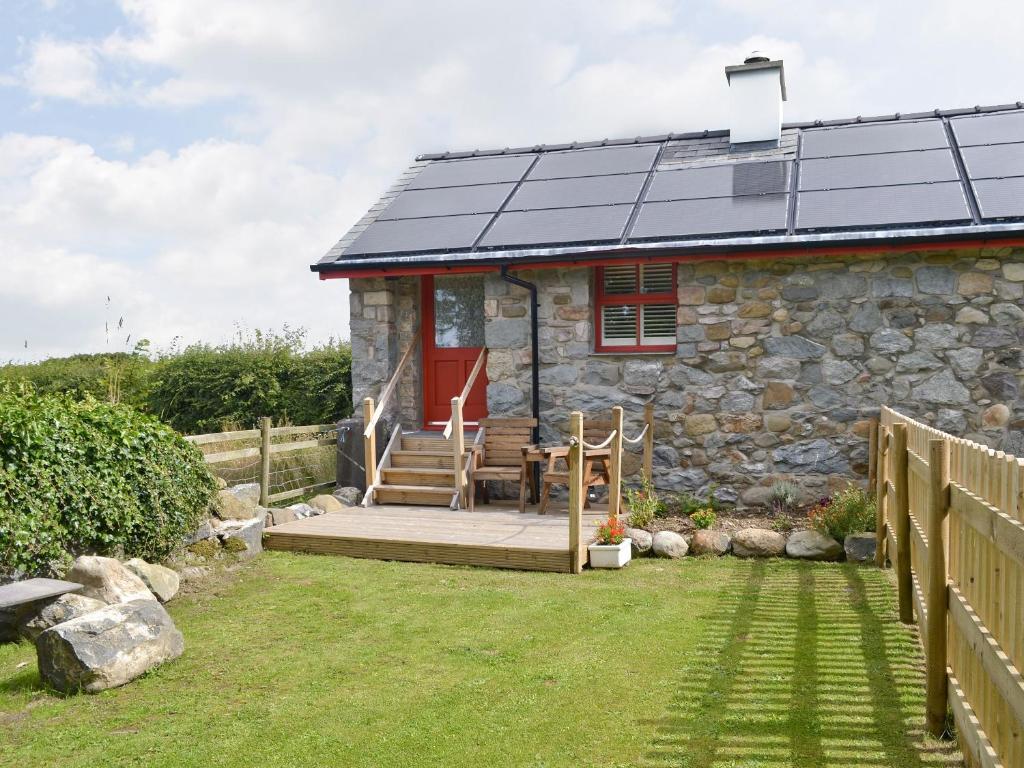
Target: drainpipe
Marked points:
534	348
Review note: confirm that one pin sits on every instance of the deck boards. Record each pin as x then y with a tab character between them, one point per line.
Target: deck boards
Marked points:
493	535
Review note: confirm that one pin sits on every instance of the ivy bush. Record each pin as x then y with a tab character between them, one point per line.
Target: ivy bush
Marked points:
80	475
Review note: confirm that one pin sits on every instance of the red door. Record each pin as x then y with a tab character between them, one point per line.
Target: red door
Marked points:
453	336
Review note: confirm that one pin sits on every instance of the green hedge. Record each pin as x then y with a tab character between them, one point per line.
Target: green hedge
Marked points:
207	388
78	475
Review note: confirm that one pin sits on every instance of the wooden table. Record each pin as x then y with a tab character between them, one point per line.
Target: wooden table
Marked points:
551	454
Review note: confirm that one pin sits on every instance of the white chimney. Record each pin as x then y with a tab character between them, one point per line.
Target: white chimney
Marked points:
757	88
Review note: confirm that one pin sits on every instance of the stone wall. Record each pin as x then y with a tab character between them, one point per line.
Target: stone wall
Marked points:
780	363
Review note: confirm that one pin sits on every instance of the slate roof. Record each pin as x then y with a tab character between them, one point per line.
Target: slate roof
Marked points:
938	175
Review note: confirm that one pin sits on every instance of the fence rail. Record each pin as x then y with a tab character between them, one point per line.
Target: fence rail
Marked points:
280	459
951	519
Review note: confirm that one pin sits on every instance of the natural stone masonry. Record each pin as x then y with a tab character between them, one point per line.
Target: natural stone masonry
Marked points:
778	368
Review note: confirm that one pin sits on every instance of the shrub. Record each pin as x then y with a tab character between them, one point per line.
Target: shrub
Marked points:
704	518
84	476
851	510
643	504
611	531
782	497
686	503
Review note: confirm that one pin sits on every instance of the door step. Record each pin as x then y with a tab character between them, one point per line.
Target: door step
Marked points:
414	494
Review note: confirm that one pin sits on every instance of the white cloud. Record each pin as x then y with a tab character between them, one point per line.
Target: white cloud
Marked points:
64	70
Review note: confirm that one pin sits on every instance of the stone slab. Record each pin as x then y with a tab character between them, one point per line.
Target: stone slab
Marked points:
30	590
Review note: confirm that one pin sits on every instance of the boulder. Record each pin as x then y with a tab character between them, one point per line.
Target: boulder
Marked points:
326	503
107	647
242	537
162	582
231	507
279	516
203	532
348	496
812	545
194	573
860	547
710	543
302	511
758	542
669	544
641	540
105	579
50	613
247	493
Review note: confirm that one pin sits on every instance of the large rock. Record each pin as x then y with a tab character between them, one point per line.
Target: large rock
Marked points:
349	496
812	545
642	541
710	543
203	532
247	493
242	537
231	507
50	613
758	542
326	503
280	516
860	547
818	456
669	544
303	510
105	579
107	647
162	582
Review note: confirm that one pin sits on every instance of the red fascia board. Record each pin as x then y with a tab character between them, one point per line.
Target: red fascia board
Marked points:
633	258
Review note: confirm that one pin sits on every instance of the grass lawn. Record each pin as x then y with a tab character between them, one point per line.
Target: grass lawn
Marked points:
325	661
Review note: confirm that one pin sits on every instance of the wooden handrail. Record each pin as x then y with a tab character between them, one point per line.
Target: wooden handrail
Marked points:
391	386
466	389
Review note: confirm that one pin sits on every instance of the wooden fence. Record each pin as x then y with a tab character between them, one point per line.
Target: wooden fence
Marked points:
951	519
282	460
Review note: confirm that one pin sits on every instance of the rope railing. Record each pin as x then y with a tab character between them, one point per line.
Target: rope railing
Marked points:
638	438
598	446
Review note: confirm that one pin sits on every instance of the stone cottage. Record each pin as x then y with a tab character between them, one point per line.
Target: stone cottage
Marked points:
766	287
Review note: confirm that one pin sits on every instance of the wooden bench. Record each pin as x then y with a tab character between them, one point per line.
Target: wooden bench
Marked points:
31	590
502	457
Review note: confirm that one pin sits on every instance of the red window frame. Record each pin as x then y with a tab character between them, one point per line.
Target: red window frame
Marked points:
601	299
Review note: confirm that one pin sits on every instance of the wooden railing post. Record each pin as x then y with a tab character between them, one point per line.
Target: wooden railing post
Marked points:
936	594
575	461
458	448
615	470
872	450
648	465
369	445
901	515
265	461
881	494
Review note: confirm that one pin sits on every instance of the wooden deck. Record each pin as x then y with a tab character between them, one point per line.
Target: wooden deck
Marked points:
495	535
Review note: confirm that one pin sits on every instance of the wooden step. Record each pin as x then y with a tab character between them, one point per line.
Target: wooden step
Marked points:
421	443
413	494
434	459
435	478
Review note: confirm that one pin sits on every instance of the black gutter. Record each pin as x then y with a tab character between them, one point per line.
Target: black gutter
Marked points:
534	358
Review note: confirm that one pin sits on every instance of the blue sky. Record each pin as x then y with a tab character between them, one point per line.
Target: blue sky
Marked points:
187	158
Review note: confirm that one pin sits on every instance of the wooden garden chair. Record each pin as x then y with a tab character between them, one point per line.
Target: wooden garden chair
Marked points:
595	462
502	456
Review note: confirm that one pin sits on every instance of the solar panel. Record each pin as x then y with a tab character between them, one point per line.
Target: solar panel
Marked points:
558	225
595	162
721	181
410	235
882	206
711	216
478	170
994	161
1000	198
873	138
988	129
567	193
878	170
482	198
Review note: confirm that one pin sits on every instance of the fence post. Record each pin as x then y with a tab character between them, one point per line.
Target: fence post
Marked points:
369	445
264	461
575	461
901	514
648	466
872	450
615	470
458	448
937	595
881	494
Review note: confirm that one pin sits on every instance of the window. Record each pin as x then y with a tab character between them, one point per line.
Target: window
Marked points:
636	308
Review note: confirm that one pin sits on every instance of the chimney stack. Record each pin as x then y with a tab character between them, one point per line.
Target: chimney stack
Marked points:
757	88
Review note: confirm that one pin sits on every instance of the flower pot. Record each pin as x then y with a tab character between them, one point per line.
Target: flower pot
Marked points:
610	555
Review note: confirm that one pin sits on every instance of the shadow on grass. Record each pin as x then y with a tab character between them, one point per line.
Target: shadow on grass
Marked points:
26	680
805	665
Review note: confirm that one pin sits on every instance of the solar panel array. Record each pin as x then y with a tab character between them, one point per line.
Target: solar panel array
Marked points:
894	174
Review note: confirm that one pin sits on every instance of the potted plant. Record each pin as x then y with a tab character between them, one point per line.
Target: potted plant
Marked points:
612	549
